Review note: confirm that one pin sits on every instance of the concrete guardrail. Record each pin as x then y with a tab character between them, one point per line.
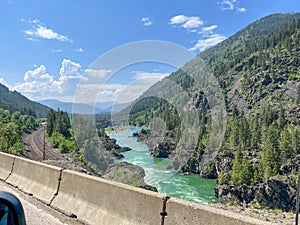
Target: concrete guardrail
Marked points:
6	165
99	201
94	199
35	178
182	212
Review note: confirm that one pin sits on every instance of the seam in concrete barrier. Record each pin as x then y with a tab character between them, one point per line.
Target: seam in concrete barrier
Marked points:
11	170
58	186
164	213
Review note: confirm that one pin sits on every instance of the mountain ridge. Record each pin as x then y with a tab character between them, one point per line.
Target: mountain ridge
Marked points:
14	101
258	71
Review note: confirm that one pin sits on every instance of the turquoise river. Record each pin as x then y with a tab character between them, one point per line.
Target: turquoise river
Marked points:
188	187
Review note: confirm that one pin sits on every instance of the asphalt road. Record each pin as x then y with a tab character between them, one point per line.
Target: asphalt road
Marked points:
37	213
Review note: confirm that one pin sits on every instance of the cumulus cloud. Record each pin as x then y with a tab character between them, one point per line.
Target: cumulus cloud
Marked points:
231	5
31	75
187	22
87	85
39	30
146	21
208	42
69	69
39	84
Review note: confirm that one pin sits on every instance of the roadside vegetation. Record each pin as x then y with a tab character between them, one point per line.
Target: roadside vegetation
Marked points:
12	126
59	131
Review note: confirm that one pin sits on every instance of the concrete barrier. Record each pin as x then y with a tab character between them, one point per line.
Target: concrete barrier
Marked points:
35	178
6	165
98	201
182	212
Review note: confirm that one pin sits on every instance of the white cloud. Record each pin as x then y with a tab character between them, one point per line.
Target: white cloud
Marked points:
69	70
178	19
116	92
38	84
31	39
208	30
227	4
231	5
78	50
208	42
140	75
89	85
241	9
97	73
3	81
92	92
39	30
37	74
37	81
9	2
146	21
208	37
187	22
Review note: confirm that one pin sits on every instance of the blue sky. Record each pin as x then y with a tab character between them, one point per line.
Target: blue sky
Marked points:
47	46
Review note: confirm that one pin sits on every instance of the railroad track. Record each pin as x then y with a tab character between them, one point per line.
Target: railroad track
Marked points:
34	145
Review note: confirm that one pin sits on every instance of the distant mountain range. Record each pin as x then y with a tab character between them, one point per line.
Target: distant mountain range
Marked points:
103	107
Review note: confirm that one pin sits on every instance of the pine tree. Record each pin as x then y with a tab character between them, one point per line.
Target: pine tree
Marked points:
50	122
296	140
285	145
236	167
271	156
255	133
281	118
246	173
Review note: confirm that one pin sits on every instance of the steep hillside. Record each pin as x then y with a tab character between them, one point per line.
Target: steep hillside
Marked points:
14	101
258	72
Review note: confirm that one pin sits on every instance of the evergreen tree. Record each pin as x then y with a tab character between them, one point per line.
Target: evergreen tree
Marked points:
271	156
281	118
236	167
286	148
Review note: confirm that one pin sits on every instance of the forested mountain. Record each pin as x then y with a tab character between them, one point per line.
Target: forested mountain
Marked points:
14	101
258	70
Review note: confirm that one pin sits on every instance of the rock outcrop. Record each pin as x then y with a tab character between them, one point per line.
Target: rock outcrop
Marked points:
125	173
278	192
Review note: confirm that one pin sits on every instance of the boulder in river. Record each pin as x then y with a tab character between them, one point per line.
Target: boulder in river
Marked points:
125	173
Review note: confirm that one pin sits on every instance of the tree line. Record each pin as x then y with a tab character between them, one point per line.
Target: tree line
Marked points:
12	126
59	131
262	144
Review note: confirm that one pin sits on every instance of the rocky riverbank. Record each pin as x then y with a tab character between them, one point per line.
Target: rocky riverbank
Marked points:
277	193
159	147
